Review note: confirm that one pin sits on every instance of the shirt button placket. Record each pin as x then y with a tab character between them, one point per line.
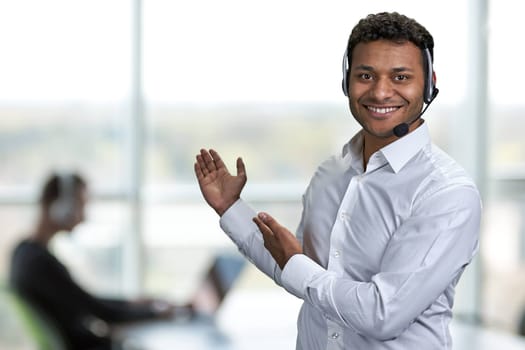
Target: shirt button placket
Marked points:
335	337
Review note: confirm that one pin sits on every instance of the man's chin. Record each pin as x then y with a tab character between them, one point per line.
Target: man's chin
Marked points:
382	134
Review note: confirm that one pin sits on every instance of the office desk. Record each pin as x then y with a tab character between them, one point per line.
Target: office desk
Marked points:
267	320
247	320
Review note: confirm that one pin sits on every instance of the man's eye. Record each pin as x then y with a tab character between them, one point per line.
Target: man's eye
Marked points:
401	77
365	76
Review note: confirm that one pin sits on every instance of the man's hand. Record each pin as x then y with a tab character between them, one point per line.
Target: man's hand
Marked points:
219	188
161	308
280	242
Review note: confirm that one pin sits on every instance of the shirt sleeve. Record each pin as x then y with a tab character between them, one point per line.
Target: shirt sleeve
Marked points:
121	310
424	256
237	223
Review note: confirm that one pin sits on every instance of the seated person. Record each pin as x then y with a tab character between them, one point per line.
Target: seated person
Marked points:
83	319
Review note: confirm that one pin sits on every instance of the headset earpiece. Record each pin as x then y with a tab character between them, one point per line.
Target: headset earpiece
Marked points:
430	89
344	83
62	210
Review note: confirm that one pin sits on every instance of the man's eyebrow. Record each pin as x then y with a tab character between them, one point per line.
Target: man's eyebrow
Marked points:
364	67
402	69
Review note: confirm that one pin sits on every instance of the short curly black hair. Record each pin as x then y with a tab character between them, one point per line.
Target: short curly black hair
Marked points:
389	26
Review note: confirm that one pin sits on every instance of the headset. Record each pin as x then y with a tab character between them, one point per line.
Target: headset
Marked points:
430	91
63	209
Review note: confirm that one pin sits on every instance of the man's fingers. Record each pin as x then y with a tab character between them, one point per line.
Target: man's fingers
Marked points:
265	230
209	162
217	159
269	221
200	166
268	236
198	170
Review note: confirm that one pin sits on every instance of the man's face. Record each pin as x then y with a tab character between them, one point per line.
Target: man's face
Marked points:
386	82
79	208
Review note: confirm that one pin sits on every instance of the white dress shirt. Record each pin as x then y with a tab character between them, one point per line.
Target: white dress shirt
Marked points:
383	248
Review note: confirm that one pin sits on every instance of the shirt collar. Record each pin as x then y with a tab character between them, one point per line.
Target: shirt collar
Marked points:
353	152
397	153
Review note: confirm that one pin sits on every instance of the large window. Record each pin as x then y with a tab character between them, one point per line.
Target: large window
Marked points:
65	105
503	248
127	92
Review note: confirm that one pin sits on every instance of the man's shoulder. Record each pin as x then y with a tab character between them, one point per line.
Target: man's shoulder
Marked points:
28	255
28	248
443	172
446	167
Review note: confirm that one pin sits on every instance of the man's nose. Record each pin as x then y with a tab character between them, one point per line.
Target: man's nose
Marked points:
382	89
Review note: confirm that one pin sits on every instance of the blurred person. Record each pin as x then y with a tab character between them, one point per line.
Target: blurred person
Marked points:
388	224
84	320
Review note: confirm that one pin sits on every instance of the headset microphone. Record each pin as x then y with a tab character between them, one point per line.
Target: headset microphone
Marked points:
401	129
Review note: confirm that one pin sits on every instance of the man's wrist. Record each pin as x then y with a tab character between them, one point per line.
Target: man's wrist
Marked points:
286	259
223	208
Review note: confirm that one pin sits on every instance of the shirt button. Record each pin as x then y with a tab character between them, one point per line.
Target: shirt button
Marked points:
342	215
337	253
335	335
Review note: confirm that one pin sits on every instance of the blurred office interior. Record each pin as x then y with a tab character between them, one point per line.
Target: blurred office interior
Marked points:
127	91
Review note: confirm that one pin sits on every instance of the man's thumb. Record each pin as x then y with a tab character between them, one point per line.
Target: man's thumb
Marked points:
241	169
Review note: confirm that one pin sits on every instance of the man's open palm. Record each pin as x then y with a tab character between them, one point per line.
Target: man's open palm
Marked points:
219	188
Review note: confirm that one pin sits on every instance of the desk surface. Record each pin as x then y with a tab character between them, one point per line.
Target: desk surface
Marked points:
267	320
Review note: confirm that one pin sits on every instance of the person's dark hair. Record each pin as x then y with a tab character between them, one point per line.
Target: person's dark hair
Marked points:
51	189
389	26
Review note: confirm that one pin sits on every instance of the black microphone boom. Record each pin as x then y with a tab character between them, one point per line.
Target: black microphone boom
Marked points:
402	129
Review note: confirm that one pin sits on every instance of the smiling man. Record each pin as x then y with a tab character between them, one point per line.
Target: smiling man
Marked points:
388	224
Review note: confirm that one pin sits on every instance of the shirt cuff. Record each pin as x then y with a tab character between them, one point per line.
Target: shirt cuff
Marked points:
297	274
237	222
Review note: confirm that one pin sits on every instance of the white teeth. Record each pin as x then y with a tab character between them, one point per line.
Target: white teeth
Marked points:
383	110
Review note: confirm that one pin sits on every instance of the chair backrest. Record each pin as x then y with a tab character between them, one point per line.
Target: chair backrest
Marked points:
43	330
13	334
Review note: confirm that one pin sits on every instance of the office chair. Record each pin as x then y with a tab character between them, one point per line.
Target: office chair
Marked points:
42	329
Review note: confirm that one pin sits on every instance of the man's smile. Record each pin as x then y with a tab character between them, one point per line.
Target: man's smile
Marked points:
386	111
